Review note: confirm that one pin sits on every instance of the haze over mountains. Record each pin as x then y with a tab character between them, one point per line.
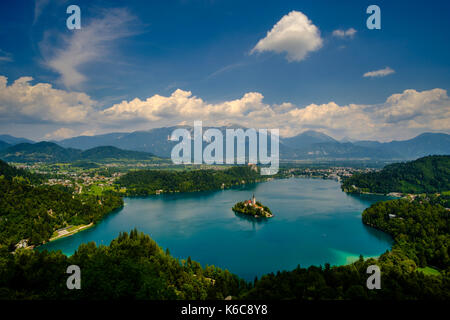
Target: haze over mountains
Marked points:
309	145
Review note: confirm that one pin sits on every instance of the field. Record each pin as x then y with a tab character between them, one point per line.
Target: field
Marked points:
429	271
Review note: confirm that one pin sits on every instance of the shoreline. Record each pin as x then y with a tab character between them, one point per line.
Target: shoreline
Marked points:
349	258
72	232
79	229
191	192
61	236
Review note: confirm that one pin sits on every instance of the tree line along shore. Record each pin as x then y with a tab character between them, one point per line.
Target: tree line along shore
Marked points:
420	228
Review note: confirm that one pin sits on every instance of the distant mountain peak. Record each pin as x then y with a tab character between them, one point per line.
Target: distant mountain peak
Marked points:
347	139
313	133
307	138
14	140
431	134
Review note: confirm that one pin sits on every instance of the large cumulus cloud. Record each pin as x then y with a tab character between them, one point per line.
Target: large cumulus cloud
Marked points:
294	34
401	116
41	102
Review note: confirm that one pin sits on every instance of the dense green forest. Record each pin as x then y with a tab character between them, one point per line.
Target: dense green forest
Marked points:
442	199
132	267
146	182
10	172
399	281
421	230
425	175
35	212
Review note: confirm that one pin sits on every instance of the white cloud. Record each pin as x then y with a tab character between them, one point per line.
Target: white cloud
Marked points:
349	33
61	133
91	43
88	133
5	56
379	73
419	107
60	114
401	116
22	101
294	34
181	105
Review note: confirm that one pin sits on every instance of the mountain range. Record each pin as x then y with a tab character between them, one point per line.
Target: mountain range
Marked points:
13	140
309	145
51	152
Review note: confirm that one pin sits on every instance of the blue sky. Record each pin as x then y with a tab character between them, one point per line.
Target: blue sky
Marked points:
130	51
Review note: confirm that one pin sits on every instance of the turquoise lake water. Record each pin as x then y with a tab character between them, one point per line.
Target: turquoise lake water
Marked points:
314	223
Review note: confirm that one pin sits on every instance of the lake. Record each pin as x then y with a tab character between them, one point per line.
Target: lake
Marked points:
314	223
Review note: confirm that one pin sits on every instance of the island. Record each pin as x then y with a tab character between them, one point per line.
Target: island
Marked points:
252	208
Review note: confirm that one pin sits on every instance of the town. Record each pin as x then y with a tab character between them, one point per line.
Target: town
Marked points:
94	178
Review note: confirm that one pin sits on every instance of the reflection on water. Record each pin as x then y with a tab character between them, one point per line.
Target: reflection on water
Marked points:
252	220
313	220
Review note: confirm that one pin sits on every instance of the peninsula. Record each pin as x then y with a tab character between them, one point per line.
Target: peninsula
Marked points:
252	208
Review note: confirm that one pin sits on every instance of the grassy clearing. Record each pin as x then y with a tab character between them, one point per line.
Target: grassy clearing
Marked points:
429	271
97	190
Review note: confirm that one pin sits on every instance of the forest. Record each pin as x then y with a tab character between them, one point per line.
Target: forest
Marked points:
10	172
146	182
35	212
134	267
420	230
425	175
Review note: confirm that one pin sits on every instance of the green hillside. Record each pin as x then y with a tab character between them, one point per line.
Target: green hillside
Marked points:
425	175
52	153
420	229
35	212
10	172
39	152
133	266
145	182
4	145
109	152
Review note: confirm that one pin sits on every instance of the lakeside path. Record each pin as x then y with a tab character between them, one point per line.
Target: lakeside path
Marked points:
66	233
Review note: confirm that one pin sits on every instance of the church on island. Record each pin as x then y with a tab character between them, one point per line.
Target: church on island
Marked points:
252	208
251	202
